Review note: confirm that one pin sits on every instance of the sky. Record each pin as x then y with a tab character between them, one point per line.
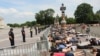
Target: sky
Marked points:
20	11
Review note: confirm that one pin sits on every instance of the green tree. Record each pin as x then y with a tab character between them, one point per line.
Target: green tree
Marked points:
23	24
40	17
71	20
45	17
97	16
98	12
29	23
84	13
10	25
33	23
14	25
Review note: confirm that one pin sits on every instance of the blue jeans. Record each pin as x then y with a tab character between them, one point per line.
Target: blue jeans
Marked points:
69	54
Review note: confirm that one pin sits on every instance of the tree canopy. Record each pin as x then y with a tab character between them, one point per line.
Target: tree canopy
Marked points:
45	17
71	21
97	16
84	13
28	24
98	12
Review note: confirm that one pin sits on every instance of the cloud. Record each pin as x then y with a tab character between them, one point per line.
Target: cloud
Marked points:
14	2
95	4
7	11
71	5
12	15
19	11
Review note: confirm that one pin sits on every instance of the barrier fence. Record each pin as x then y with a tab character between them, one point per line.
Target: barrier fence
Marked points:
39	48
31	49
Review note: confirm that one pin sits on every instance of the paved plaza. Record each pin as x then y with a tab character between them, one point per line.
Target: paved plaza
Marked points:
4	38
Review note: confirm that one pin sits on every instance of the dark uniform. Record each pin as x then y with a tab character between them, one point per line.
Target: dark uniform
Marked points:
23	34
31	32
11	37
35	30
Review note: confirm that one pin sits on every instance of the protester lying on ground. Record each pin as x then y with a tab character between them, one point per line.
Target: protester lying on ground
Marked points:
96	52
94	41
63	41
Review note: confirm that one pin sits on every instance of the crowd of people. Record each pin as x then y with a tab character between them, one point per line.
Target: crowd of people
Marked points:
64	42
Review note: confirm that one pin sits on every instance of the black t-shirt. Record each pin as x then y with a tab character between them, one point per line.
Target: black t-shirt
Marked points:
11	34
23	31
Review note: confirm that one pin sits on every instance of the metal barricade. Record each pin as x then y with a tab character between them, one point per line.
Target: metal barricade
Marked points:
31	49
45	37
39	48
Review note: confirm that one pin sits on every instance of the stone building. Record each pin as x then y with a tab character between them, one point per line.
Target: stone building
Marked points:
2	24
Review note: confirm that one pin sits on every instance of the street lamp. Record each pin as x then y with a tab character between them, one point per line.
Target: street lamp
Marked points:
63	8
63	22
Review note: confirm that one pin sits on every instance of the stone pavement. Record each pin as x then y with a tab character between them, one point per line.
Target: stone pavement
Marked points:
4	38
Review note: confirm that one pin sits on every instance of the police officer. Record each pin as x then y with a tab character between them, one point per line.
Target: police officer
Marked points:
31	32
35	30
11	37
23	34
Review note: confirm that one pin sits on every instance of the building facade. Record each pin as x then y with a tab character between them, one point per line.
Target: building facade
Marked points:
2	24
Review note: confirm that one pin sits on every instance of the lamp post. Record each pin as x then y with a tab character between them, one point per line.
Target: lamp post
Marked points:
63	22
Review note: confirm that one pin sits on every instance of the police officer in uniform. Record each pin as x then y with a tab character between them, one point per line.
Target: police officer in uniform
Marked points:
31	32
35	30
11	37
23	34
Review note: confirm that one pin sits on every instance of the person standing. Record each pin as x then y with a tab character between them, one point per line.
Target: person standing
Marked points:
23	34
36	30
31	32
11	37
88	30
